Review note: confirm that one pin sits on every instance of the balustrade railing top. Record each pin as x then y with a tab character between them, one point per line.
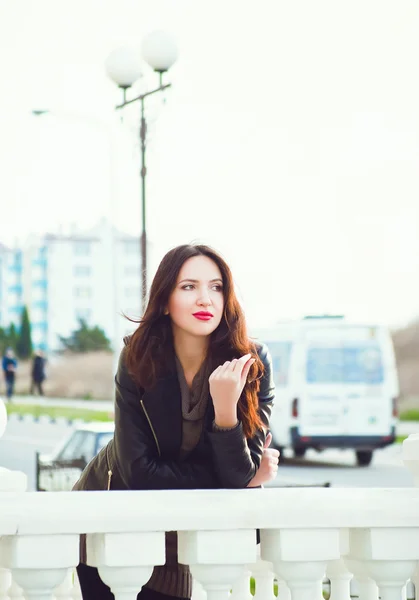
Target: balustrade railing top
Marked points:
88	512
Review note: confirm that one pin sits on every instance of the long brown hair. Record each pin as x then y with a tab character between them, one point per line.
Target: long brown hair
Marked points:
151	348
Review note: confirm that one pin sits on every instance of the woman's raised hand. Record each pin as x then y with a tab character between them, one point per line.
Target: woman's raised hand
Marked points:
226	384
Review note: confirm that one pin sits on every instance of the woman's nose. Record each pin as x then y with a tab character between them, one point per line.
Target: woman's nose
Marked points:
204	300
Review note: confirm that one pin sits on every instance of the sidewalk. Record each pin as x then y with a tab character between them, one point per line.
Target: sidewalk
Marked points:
403	427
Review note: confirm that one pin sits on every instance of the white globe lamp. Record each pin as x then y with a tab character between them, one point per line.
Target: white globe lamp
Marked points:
159	50
123	66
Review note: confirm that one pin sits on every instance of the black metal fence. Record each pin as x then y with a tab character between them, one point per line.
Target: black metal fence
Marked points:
58	475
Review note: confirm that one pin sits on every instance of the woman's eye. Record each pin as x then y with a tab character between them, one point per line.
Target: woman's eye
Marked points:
190	286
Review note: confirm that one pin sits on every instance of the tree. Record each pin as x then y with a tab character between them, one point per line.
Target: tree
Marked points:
12	337
4	340
86	339
24	346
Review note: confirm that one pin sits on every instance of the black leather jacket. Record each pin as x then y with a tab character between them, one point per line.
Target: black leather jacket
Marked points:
148	430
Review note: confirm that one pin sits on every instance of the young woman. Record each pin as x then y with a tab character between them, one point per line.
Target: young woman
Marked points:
193	402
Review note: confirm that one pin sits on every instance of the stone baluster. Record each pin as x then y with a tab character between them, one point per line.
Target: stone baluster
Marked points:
65	589
366	588
388	556
415	581
241	587
217	558
5	582
338	573
284	592
300	556
340	580
198	592
125	560
10	481
16	592
39	563
76	593
264	576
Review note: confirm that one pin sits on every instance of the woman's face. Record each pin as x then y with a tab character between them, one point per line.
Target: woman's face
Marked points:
196	304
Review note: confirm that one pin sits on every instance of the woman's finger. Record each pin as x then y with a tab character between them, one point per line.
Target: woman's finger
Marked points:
234	364
246	369
268	440
242	361
223	368
214	373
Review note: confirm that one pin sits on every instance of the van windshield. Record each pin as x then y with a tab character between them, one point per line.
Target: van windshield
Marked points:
346	364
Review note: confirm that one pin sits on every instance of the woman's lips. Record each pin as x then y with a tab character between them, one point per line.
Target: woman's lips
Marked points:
203	316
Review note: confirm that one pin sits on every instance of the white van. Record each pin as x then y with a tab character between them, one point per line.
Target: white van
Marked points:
336	385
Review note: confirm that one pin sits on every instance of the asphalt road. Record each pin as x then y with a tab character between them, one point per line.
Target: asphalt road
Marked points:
22	439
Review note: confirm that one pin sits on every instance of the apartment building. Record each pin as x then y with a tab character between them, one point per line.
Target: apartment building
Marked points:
92	275
11	285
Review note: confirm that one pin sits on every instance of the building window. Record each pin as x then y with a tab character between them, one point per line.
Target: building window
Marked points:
82	271
82	248
83	292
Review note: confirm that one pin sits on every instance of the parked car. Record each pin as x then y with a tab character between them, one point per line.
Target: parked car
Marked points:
59	471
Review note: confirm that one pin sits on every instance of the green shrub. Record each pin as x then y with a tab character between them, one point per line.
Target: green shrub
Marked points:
410	415
55	412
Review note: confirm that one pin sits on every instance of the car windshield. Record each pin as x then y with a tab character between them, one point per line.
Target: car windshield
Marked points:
103	439
352	364
81	443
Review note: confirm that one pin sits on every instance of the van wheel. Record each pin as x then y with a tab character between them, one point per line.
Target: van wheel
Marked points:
363	457
299	452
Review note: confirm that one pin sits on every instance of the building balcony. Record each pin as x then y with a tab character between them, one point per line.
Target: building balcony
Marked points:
364	539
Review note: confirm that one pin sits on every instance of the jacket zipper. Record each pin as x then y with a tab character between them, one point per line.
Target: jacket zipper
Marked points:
109	472
151	427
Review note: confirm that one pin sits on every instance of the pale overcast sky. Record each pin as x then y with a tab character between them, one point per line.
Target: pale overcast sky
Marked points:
290	141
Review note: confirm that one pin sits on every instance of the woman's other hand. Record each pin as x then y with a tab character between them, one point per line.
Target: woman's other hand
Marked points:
268	466
226	385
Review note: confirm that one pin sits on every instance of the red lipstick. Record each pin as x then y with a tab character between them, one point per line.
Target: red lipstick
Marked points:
203	315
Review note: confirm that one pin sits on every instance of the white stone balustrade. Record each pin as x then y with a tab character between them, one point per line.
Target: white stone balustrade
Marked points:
370	535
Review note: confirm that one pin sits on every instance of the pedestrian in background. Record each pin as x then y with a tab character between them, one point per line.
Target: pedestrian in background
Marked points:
9	365
38	372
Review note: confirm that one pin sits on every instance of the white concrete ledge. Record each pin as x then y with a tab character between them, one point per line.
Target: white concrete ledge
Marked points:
77	512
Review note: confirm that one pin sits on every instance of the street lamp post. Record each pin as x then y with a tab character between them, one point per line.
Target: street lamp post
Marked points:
124	68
